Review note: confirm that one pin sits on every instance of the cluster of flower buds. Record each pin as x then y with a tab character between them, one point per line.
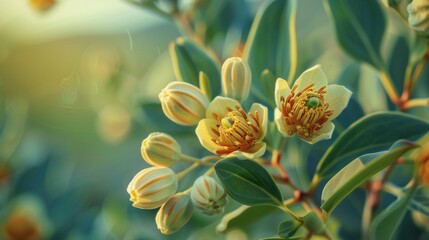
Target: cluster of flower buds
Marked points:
156	186
227	130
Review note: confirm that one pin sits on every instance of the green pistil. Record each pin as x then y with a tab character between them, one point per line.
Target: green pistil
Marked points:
313	102
227	122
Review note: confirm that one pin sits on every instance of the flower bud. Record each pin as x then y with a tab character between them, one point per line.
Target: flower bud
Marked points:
236	78
151	187
418	15
160	149
208	196
174	213
183	103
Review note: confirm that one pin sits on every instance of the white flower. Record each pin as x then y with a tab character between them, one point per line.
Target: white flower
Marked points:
229	131
308	108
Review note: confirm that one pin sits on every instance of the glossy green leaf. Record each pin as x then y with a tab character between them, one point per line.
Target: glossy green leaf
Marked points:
271	43
341	178
244	216
288	228
189	60
248	182
420	201
371	133
387	222
156	120
361	176
359	26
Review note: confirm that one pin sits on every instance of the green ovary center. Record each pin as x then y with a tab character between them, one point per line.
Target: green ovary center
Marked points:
313	102
227	122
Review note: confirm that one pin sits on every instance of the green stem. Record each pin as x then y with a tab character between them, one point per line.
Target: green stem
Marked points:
387	83
197	162
291	213
203	161
418	102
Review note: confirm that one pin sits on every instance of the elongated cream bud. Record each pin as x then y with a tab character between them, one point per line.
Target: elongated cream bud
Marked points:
236	79
160	149
183	103
174	213
151	187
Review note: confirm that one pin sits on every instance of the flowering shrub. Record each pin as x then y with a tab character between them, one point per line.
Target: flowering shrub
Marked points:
282	136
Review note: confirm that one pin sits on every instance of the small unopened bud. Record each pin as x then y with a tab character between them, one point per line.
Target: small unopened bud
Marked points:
151	187
208	196
418	15
313	223
174	213
183	103
160	149
236	78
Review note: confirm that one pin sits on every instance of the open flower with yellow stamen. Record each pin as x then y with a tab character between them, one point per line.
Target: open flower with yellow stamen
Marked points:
307	109
229	131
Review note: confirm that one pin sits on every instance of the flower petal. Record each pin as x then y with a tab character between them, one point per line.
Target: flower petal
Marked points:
205	134
263	117
324	133
312	75
337	97
220	105
278	118
256	151
282	89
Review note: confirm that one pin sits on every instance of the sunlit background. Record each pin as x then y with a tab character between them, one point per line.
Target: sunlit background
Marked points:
73	78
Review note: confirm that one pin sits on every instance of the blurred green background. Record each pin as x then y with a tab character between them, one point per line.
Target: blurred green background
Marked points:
73	80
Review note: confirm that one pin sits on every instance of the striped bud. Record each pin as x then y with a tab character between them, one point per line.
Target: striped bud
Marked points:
418	15
174	213
236	79
151	187
208	196
160	149
183	103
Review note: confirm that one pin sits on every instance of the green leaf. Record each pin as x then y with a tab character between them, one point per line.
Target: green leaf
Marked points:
420	201
189	60
371	133
387	222
288	228
341	178
271	43
248	182
359	26
361	176
155	119
244	216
